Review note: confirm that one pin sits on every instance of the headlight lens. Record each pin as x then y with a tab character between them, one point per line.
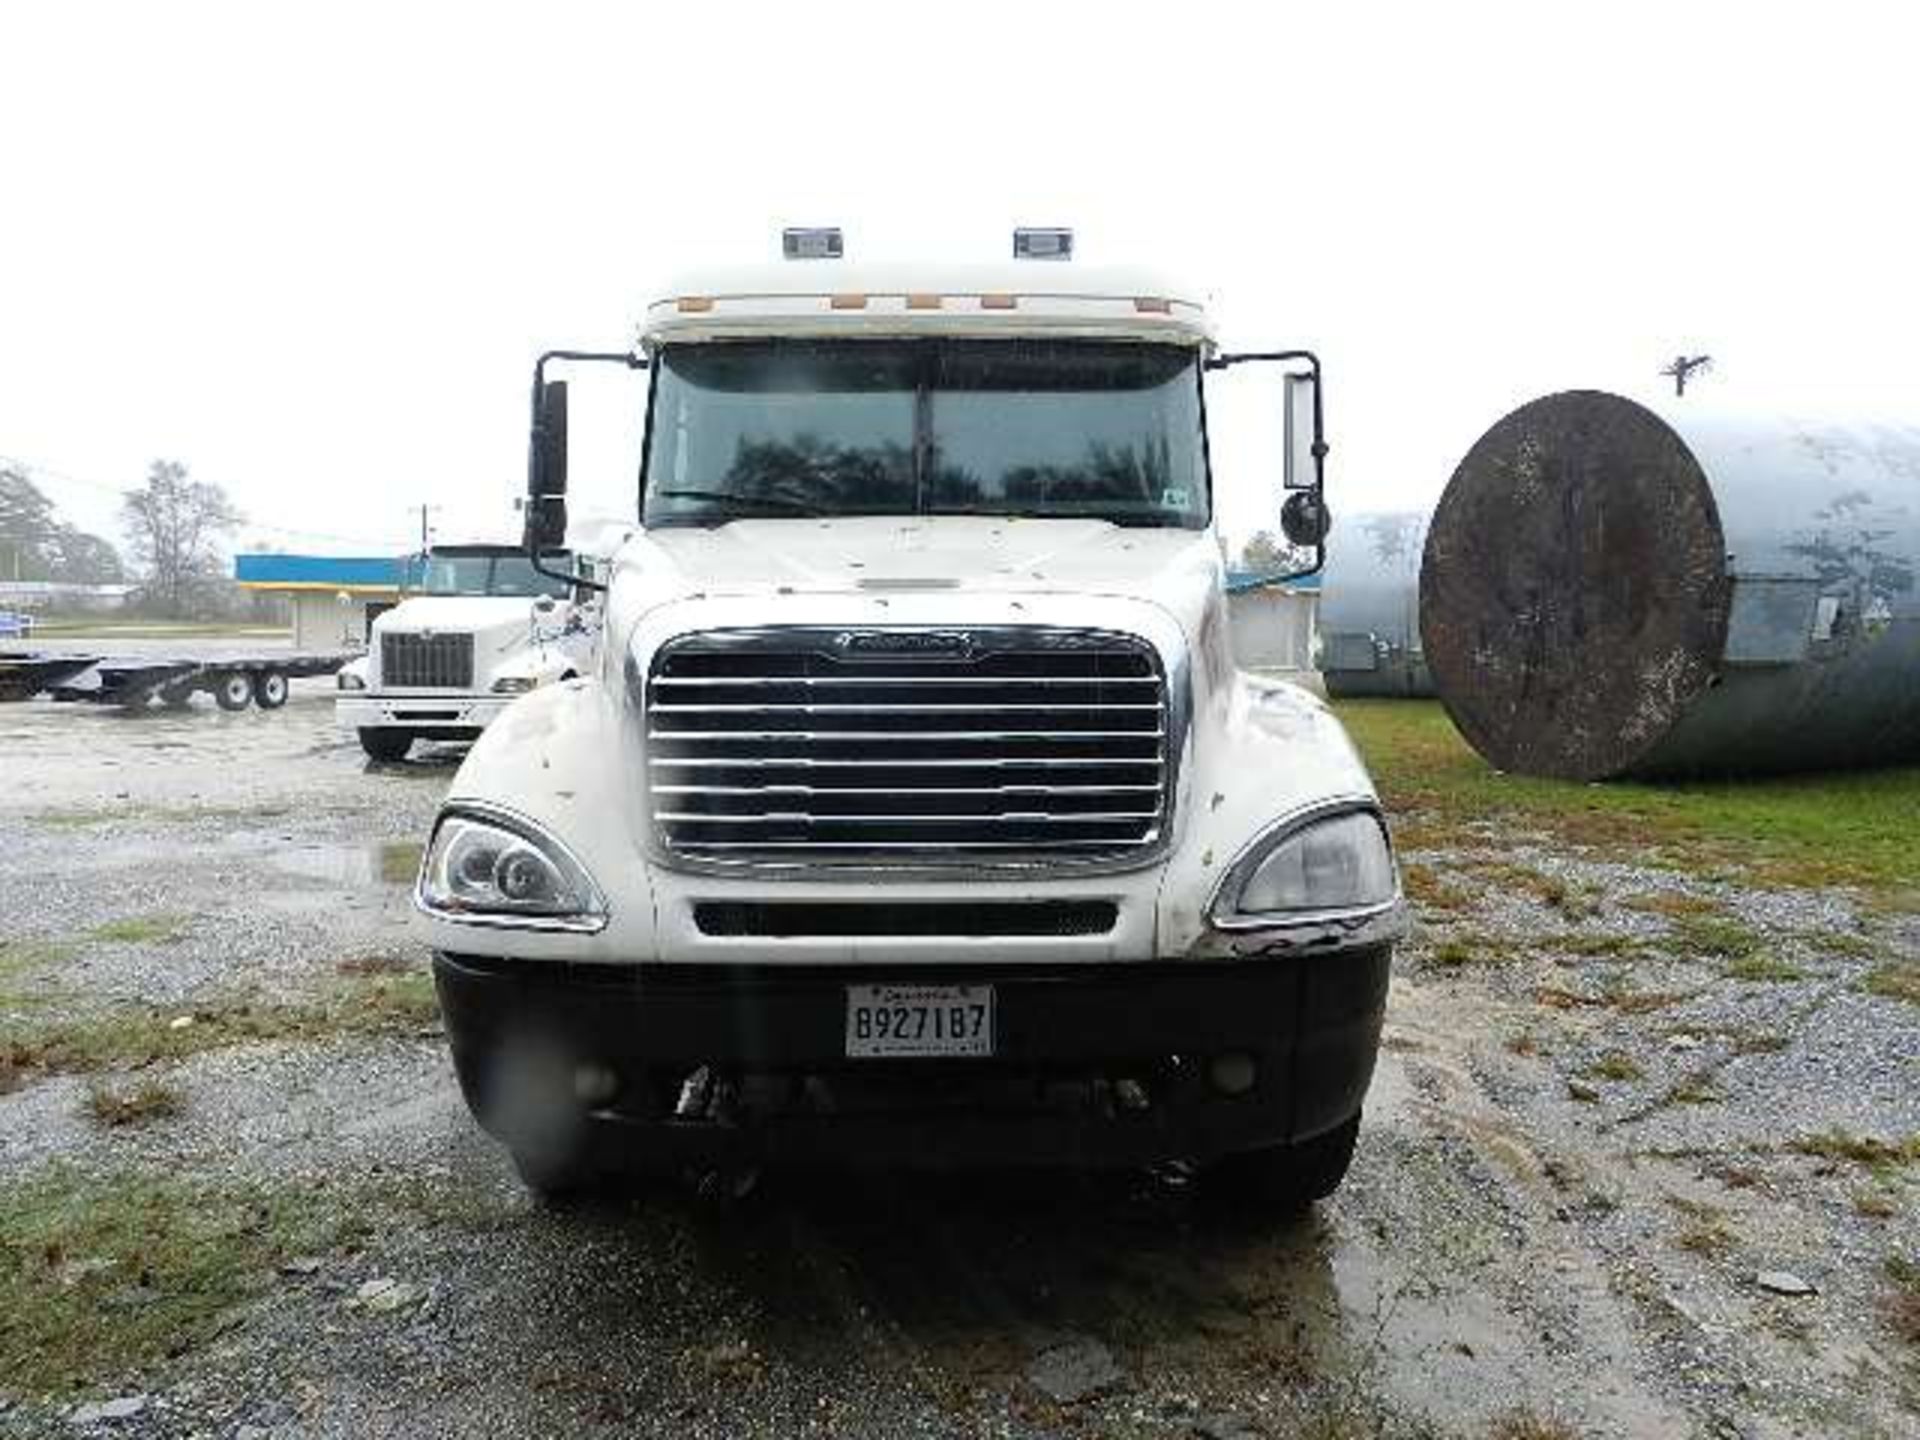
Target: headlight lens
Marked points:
347	680
1339	863
480	867
514	684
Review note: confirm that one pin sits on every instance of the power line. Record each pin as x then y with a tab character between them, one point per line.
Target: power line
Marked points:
32	469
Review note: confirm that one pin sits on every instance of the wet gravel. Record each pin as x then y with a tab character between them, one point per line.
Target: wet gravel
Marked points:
1502	1245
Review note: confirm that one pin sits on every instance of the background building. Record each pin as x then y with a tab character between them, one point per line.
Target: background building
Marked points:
333	597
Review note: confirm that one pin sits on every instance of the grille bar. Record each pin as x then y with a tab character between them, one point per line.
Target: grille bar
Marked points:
426	662
1013	744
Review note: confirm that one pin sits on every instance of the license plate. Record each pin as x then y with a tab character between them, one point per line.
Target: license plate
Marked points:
908	1020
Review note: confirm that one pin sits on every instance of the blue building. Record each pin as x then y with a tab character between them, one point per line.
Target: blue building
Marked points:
333	598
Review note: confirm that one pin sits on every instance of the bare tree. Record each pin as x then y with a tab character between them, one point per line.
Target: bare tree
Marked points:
35	544
174	527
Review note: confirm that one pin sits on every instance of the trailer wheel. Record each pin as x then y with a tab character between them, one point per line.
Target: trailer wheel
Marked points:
233	691
270	689
388	746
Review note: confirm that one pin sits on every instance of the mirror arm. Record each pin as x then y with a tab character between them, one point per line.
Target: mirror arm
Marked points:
537	440
1318	448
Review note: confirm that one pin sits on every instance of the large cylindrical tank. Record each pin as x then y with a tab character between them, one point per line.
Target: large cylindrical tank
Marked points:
1369	621
1607	591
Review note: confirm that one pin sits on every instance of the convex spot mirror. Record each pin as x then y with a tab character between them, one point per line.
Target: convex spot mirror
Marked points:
1304	519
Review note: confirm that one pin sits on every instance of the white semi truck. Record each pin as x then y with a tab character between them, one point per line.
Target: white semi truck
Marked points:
487	627
914	810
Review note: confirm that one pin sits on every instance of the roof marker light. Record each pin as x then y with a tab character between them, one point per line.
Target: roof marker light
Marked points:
1043	243
923	302
998	302
818	243
694	304
1153	305
848	302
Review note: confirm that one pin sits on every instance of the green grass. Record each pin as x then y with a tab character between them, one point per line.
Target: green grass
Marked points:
1713	937
1896	980
1615	1065
100	1274
1865	1150
1900	1305
132	1036
1762	969
82	626
1845	828
400	861
1461	950
141	930
1592	944
117	1105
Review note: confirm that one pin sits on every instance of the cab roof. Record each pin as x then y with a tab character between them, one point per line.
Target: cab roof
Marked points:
1015	298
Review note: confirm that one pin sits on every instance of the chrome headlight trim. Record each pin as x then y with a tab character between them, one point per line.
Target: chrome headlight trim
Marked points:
1384	919
589	921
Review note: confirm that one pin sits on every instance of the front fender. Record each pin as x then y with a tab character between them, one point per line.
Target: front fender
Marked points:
1275	750
545	761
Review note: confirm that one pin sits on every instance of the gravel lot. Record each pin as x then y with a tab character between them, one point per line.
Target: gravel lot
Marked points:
1597	1124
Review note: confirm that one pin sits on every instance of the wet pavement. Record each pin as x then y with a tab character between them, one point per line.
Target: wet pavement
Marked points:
1504	1253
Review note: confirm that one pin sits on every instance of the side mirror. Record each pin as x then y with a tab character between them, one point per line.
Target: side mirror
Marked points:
1304	519
546	514
1301	411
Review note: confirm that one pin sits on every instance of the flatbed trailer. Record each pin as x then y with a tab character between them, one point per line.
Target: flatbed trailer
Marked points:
24	676
135	682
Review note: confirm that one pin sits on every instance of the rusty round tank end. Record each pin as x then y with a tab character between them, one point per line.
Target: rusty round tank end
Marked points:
1573	590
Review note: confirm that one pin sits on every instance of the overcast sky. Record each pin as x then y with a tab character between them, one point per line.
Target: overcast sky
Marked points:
311	252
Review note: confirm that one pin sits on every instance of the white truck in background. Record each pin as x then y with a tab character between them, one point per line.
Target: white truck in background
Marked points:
487	627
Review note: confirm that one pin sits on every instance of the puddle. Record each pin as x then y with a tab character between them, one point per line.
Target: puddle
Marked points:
389	862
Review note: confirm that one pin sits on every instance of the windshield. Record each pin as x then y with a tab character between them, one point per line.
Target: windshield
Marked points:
494	575
1106	429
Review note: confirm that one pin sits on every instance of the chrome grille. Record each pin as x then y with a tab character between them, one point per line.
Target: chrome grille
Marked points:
908	747
435	662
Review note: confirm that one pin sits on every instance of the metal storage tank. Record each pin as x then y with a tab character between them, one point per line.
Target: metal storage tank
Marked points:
1370	607
1607	591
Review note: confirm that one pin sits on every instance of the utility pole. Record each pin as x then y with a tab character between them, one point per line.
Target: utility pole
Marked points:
1684	367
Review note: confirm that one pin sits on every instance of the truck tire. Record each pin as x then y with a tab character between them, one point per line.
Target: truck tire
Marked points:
388	746
270	689
233	690
551	1174
1285	1179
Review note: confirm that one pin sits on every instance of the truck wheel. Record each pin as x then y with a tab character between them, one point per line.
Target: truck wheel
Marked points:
233	691
1285	1179
553	1175
270	689
388	746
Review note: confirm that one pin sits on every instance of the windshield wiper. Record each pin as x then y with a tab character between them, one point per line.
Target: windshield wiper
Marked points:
728	497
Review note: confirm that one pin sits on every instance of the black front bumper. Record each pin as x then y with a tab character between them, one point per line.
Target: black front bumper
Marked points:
1093	1064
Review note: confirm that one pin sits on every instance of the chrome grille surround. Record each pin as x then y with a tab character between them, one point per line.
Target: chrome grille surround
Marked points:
420	661
918	749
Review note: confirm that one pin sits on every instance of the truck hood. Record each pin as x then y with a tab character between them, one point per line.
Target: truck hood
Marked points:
453	614
883	554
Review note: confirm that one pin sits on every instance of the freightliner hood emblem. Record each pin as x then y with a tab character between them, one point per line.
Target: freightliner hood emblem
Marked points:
889	644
